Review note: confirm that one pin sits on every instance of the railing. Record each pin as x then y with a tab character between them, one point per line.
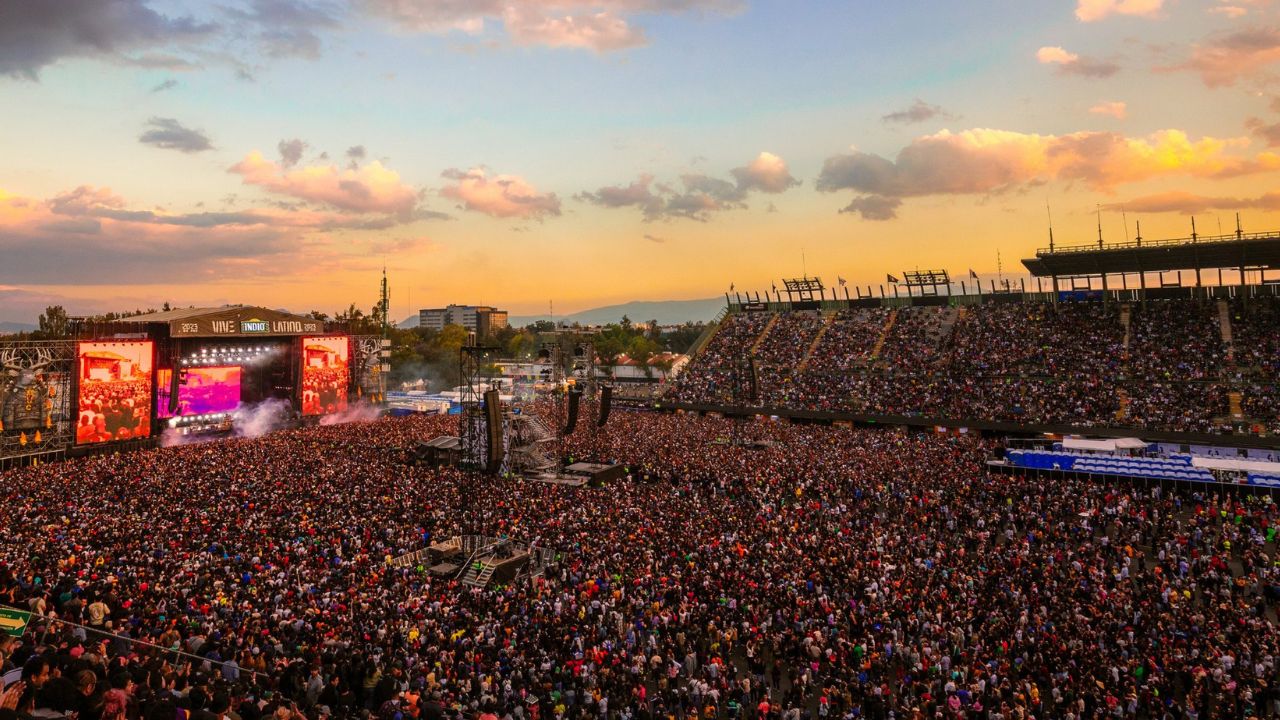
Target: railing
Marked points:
706	335
1198	240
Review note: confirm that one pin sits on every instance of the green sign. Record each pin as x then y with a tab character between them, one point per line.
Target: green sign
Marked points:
13	622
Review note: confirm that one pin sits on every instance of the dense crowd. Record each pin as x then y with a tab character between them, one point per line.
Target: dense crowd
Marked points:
714	379
324	389
1163	365
114	410
762	571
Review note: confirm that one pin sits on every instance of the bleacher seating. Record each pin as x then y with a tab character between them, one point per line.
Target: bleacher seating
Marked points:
1264	479
1171	468
1026	363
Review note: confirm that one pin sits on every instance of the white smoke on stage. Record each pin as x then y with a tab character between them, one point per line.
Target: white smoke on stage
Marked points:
247	421
251	421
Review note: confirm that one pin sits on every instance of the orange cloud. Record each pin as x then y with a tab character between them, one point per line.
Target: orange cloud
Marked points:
992	161
1094	10
599	25
1180	201
47	241
503	196
1231	11
1116	109
601	32
1243	54
1052	54
1070	63
372	188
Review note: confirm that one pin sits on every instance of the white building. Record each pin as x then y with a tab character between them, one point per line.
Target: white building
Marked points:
480	319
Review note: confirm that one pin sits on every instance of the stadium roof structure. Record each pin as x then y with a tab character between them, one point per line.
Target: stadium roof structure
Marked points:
1250	251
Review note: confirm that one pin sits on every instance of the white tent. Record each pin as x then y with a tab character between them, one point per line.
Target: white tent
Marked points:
1109	445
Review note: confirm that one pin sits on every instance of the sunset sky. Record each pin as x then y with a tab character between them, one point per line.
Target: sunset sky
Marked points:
586	152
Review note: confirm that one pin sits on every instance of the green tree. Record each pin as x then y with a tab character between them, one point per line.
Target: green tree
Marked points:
541	326
54	322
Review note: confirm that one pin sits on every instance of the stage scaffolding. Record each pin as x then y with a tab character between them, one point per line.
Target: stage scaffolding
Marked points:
36	407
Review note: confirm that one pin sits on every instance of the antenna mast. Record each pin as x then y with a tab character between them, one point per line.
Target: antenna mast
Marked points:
1099	207
385	301
1049	211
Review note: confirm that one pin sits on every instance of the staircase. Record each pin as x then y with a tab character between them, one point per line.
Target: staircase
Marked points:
1236	400
1224	324
1122	398
804	364
1126	314
884	334
479	573
951	317
707	334
764	334
539	432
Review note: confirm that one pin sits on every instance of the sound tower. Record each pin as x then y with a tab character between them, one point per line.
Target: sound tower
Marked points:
493	423
575	395
606	401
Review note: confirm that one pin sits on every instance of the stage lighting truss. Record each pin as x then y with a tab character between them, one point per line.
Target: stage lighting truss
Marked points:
223	356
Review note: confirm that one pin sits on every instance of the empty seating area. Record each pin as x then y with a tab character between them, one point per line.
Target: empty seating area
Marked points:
1270	480
1176	468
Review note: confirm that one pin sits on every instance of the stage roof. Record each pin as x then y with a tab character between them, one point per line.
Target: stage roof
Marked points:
1251	250
231	321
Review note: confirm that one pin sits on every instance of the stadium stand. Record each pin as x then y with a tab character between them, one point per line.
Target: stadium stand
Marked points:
1177	365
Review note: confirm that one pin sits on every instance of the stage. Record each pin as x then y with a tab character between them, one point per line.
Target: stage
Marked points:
131	382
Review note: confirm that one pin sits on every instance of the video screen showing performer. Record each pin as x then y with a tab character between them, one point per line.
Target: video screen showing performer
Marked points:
325	375
115	391
200	390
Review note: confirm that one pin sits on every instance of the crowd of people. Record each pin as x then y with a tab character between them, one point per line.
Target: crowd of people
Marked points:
114	410
1160	365
753	571
324	389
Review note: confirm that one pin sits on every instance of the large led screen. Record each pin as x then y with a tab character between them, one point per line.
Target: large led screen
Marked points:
204	390
115	391
325	374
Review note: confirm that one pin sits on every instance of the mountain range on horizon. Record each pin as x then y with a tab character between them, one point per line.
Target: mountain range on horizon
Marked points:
665	312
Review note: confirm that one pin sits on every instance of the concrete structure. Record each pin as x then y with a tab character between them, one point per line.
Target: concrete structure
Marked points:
480	319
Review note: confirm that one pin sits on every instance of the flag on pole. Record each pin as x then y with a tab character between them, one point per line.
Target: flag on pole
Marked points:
973	274
890	279
730	287
842	281
775	288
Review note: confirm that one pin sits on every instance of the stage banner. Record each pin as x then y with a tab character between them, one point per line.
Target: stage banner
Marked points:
244	322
